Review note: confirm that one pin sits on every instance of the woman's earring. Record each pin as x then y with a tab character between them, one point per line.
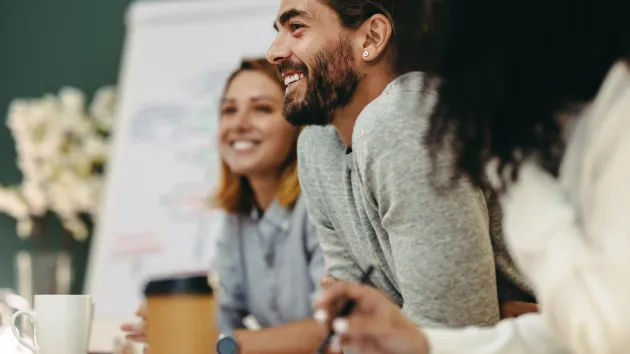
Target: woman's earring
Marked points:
366	54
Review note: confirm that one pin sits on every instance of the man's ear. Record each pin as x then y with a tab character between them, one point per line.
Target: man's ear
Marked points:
375	34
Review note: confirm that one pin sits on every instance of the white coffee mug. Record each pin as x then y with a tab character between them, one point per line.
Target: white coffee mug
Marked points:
62	324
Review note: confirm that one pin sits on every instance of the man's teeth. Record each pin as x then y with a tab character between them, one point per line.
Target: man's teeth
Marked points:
242	145
289	79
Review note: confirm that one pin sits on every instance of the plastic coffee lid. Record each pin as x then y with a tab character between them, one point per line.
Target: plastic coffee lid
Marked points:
194	285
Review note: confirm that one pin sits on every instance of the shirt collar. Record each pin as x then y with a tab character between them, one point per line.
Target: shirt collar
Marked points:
275	214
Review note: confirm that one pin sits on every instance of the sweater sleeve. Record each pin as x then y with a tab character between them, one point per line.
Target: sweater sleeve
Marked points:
316	267
527	334
339	263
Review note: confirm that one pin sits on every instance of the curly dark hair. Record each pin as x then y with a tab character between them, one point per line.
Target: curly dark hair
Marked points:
507	69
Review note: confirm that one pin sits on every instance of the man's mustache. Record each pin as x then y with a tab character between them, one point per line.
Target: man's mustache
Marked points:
289	66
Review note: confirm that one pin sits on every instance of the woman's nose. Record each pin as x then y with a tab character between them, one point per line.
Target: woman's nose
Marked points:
242	120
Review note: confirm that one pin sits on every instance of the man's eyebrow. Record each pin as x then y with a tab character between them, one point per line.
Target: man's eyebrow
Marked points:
288	15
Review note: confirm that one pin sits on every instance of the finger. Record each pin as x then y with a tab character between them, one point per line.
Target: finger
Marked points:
365	327
365	297
142	311
363	345
326	281
128	327
137	337
389	333
132	327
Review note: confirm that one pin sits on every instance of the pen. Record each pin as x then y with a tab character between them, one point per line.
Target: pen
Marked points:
345	311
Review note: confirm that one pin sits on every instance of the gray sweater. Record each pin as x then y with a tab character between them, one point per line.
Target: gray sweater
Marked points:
376	203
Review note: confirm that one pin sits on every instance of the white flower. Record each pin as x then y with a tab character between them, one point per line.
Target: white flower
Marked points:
103	107
18	114
12	203
82	197
50	147
34	197
76	227
57	143
96	147
60	199
72	100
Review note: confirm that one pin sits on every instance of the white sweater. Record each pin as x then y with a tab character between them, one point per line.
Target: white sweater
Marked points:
571	238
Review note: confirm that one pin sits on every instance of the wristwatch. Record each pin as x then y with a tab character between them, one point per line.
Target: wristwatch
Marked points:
227	345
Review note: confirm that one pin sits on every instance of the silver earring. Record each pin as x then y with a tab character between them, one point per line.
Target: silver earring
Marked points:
366	54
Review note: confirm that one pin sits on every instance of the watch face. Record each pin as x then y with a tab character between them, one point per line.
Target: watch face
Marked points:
227	345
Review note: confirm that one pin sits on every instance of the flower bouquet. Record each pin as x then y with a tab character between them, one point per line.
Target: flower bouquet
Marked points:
61	147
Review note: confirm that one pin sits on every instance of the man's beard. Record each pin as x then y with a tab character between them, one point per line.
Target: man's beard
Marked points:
330	85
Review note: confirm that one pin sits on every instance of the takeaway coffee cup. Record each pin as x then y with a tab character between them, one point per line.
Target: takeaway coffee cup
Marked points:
181	315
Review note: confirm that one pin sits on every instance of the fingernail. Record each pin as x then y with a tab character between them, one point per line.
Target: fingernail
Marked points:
340	325
320	316
335	344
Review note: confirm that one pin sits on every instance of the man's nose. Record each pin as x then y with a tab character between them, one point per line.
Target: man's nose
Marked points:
278	51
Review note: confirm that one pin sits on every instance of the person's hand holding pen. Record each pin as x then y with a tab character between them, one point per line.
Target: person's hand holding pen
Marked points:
376	325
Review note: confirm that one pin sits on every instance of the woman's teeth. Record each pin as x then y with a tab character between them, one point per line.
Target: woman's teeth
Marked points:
289	79
242	145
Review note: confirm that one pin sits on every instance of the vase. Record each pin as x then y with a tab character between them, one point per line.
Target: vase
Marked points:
42	272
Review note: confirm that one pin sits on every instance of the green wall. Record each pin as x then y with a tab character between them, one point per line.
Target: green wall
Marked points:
45	45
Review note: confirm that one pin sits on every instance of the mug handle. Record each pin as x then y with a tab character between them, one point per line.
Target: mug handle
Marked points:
31	316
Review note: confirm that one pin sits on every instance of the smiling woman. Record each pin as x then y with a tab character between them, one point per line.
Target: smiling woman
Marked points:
269	260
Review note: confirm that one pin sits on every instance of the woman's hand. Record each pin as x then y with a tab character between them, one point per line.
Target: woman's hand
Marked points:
377	326
137	331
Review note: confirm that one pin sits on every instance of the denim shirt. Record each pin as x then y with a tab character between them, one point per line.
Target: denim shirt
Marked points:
269	266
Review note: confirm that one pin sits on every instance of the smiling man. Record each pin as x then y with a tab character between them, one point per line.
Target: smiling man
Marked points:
353	70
